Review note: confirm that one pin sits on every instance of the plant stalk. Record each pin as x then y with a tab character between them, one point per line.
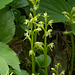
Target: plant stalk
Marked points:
72	54
45	57
33	57
45	51
32	42
57	71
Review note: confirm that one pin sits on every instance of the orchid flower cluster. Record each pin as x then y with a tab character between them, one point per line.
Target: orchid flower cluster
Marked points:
31	32
40	45
70	20
35	4
56	70
47	33
40	27
70	16
30	23
35	26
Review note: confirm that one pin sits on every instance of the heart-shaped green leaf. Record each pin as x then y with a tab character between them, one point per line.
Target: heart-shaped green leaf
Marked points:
71	3
4	69
19	3
40	60
54	8
3	3
9	56
41	71
23	72
7	27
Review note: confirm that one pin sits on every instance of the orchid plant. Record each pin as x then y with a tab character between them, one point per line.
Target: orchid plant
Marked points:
44	46
35	26
71	22
30	35
32	30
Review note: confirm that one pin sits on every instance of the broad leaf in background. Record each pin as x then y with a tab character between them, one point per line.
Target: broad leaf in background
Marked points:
3	3
9	56
23	72
27	10
4	69
24	27
22	19
41	71
71	3
19	30
40	60
19	3
16	14
7	27
54	8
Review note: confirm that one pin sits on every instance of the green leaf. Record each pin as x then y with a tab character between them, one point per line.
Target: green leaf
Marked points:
19	31
17	14
10	56
54	8
25	27
40	60
3	3
7	27
71	3
19	3
27	10
23	72
4	69
41	72
22	19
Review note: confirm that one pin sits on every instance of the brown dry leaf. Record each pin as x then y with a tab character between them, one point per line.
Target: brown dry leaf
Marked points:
16	45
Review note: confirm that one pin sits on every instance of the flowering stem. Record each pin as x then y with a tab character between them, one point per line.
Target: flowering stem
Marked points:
45	48
57	71
33	57
35	27
45	56
32	42
72	58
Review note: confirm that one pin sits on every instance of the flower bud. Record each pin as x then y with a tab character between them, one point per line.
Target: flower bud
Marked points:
26	21
31	52
53	73
51	45
31	9
37	1
62	73
30	15
73	8
33	74
53	69
58	64
35	7
45	14
50	22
